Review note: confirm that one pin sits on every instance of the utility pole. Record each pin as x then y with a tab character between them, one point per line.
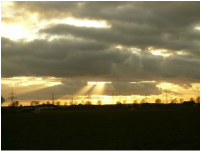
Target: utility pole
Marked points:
119	96
146	97
12	96
112	97
72	100
52	98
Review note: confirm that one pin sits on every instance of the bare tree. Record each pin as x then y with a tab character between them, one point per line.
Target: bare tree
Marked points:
14	104
2	100
34	103
73	102
158	101
174	101
57	103
181	100
135	102
99	102
192	99
143	101
83	102
65	104
197	99
37	102
118	102
88	103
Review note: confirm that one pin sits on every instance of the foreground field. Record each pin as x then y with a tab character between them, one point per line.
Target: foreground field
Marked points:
102	129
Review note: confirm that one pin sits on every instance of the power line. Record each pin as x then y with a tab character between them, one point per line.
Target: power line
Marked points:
12	97
112	97
119	96
53	98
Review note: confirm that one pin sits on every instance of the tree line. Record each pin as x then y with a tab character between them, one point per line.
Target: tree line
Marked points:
99	102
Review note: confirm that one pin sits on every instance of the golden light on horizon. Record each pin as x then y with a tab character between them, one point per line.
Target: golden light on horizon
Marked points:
95	83
27	81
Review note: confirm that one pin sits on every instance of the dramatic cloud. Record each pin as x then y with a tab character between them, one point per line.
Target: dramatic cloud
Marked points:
119	42
63	58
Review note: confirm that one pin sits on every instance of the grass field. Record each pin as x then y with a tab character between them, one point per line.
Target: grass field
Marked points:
167	129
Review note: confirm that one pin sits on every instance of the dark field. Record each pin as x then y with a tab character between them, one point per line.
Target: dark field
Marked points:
146	129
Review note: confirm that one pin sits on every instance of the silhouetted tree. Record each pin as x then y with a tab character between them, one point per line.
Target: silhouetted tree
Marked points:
73	102
2	100
88	103
192	99
34	103
37	102
57	103
83	102
143	101
14	104
65	103
118	102
124	101
174	101
181	100
158	101
48	102
197	99
99	102
135	102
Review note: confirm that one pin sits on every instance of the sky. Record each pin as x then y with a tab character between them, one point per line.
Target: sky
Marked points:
108	51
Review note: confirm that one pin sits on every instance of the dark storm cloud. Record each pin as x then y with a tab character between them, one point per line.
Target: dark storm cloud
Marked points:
91	53
62	59
127	88
140	37
156	13
58	58
162	25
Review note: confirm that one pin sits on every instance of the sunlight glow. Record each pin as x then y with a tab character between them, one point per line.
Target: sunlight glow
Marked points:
148	81
15	32
27	81
95	83
144	82
98	89
181	53
160	52
84	90
197	28
5	3
119	46
85	23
